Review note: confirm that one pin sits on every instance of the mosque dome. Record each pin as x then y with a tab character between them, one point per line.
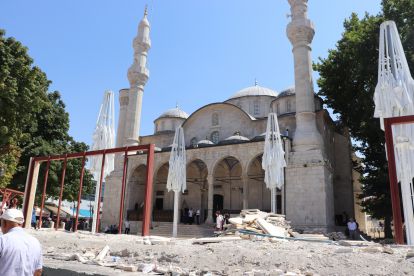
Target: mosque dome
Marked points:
288	91
234	139
174	113
205	142
256	90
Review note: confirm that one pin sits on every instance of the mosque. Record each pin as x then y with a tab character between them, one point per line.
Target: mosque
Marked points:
225	142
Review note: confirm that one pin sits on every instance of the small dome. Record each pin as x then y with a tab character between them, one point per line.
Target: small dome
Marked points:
205	142
237	138
287	91
174	113
254	91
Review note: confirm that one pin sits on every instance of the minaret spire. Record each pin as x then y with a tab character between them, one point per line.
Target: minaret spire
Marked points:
138	75
300	32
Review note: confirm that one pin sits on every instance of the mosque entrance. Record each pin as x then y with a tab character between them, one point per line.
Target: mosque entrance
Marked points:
218	203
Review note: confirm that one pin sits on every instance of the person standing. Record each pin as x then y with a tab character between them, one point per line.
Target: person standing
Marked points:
20	253
198	216
219	221
127	226
191	216
33	222
352	227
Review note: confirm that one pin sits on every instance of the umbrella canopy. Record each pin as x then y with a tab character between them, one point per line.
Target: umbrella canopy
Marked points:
394	92
104	136
177	171
273	160
393	97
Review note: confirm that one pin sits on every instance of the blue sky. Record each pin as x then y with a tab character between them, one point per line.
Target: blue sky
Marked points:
202	51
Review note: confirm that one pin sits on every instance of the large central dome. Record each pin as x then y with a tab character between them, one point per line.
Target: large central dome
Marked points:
254	91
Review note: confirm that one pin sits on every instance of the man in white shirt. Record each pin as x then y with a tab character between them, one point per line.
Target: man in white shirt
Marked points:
352	227
20	253
127	226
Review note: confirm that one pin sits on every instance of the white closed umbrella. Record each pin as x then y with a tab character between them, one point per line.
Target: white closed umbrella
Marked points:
393	97
273	160
103	138
177	177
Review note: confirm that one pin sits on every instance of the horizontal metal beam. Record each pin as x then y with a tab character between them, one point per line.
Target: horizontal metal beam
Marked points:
144	148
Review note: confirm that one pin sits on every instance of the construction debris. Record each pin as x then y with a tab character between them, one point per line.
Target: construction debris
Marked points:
243	254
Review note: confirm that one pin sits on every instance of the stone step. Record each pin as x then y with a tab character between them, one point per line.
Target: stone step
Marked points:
184	230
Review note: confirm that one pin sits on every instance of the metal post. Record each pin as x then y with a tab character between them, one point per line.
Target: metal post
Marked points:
100	193
148	192
395	192
26	200
42	205
124	177
62	182
80	191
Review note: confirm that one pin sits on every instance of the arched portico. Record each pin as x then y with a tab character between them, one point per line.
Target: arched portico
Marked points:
135	194
196	195
259	195
227	185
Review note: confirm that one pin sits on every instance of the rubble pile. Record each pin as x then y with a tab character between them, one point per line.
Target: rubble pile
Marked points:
253	223
259	222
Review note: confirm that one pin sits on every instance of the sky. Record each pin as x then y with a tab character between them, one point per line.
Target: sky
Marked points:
202	51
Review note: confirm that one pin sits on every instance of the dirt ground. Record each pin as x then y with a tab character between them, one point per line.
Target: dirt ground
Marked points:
243	257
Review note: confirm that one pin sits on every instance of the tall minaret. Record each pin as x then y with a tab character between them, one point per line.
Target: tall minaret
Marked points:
137	75
300	32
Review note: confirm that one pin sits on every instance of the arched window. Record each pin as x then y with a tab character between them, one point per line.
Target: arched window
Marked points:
193	142
288	106
278	108
215	137
256	107
215	119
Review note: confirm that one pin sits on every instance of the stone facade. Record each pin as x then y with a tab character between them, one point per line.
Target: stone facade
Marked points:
225	145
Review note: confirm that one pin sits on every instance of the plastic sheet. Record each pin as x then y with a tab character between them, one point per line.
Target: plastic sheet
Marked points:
393	97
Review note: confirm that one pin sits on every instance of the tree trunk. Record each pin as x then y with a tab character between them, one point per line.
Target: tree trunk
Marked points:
387	227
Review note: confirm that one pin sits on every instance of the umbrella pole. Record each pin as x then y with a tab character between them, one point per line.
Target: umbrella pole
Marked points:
273	201
175	223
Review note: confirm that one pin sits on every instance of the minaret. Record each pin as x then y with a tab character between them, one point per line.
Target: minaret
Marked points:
137	75
300	32
309	187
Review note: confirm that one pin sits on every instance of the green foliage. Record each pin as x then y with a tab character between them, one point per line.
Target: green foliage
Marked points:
33	123
348	77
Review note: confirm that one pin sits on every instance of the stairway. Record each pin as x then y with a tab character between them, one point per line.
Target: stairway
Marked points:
164	229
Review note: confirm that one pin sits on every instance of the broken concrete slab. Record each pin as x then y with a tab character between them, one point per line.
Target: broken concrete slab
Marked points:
270	228
102	254
216	240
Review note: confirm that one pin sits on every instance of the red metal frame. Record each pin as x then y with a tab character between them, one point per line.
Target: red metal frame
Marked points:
124	177
98	215
42	205
146	220
395	192
62	182
80	191
8	195
148	149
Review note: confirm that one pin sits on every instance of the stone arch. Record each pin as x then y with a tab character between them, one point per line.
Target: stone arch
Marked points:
197	187
135	193
160	186
259	194
227	183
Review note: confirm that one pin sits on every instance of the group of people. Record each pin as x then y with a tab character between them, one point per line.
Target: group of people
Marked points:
222	218
20	253
189	215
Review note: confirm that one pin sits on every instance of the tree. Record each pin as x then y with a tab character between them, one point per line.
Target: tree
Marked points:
348	77
33	123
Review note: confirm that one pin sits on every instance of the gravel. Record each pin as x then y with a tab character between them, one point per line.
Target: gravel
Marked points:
244	257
